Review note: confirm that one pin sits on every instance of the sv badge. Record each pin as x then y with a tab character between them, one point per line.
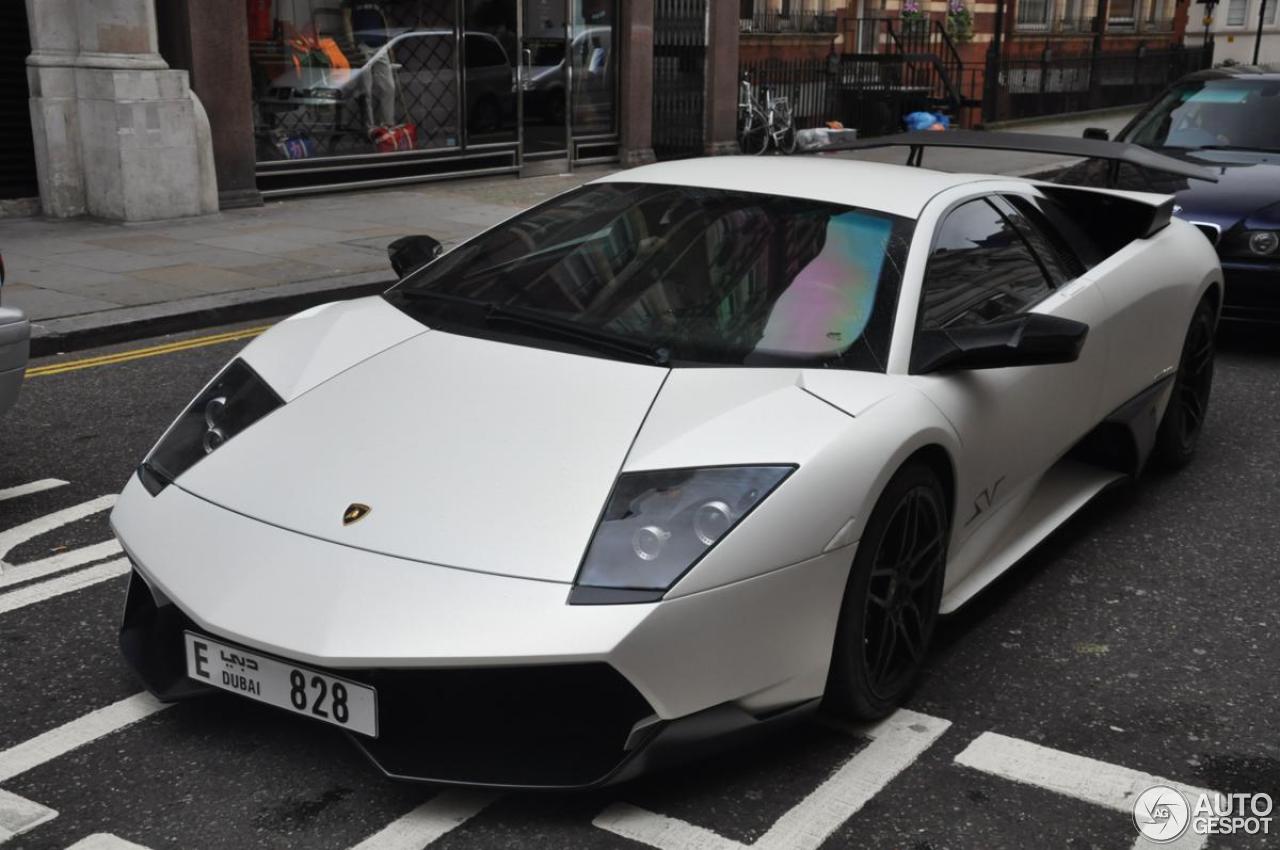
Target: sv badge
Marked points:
984	500
355	512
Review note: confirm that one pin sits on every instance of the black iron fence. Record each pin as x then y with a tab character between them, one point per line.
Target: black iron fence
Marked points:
870	92
1056	84
791	22
1076	25
679	77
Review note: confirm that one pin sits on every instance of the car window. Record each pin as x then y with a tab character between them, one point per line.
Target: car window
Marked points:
1234	113
484	53
980	270
1054	256
711	276
1075	239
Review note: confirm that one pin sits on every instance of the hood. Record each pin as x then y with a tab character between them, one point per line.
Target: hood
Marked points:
470	453
1246	193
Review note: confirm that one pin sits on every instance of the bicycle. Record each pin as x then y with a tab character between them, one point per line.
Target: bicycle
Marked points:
760	126
753	123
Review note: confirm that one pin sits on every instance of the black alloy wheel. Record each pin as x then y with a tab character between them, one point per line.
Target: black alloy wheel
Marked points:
1183	422
891	602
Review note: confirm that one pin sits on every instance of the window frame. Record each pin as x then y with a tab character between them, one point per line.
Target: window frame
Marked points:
1244	15
1043	25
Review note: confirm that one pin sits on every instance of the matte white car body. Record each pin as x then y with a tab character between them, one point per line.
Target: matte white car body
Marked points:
487	465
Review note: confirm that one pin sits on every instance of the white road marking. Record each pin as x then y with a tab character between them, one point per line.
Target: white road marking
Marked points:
896	742
28	489
18	815
40	591
104	841
58	563
15	537
441	814
77	733
1078	777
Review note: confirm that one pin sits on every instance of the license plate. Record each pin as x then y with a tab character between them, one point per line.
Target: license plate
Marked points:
301	690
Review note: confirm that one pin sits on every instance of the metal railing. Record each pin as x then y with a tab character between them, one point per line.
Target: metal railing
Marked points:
793	22
1060	84
1080	25
870	92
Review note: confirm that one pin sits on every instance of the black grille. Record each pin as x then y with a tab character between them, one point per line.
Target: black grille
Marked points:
679	77
562	725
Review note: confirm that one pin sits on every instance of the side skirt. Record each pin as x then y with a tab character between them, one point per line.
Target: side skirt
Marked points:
1066	488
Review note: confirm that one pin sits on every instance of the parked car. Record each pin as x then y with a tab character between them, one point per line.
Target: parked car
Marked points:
1227	119
688	450
15	342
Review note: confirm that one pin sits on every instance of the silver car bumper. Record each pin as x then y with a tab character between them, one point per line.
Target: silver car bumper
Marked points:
15	344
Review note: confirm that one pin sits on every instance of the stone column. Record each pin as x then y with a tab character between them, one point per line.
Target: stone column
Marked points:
722	78
636	91
118	134
55	123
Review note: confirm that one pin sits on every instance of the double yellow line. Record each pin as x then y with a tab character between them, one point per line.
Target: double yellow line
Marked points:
140	353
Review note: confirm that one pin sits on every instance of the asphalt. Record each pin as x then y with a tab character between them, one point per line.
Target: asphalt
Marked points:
1145	634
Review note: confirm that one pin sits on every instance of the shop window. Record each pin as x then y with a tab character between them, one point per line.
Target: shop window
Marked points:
344	77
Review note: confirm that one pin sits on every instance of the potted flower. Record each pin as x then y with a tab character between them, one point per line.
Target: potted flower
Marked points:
913	18
959	21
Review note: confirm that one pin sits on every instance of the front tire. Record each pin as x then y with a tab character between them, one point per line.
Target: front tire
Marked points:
1183	422
891	600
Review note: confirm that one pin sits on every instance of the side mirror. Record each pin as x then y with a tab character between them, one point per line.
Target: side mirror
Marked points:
410	253
1099	133
1032	339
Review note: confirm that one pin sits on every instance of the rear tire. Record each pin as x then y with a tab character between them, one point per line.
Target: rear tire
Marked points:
1183	422
891	600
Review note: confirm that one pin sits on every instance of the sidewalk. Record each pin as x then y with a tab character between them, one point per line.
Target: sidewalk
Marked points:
84	282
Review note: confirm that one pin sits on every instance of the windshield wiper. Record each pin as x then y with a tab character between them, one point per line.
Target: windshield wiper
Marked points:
583	335
591	337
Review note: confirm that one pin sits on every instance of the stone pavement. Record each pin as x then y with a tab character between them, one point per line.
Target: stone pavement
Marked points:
77	275
78	266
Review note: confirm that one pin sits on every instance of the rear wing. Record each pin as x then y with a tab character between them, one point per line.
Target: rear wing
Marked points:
1114	152
1113	217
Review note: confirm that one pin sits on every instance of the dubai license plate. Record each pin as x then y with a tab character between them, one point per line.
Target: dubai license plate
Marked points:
283	684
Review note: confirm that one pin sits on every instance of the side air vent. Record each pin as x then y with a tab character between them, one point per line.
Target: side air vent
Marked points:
1212	232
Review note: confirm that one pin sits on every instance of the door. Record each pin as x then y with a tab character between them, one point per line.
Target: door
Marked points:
989	262
545	83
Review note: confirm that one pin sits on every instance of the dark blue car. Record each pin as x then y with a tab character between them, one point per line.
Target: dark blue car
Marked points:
1227	119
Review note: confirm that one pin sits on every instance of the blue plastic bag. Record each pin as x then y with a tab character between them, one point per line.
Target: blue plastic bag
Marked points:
925	120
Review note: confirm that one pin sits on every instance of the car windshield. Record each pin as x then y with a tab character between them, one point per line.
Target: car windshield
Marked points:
1231	114
683	275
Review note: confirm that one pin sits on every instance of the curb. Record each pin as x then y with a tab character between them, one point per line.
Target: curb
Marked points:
75	333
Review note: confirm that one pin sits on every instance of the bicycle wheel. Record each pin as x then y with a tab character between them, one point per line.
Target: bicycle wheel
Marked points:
786	138
753	131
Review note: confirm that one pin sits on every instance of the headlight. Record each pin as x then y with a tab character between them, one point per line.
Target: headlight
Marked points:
657	525
235	399
1263	242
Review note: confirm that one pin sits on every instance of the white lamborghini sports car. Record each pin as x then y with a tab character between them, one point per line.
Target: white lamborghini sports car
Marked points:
689	449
